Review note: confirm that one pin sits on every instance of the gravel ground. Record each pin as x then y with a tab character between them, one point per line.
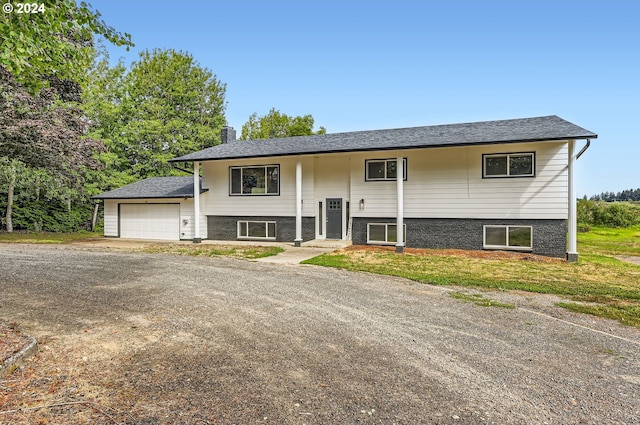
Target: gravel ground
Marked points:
147	339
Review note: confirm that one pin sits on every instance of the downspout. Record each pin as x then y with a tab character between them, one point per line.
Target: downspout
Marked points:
572	249
583	150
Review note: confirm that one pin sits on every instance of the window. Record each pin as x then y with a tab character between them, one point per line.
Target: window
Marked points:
509	165
383	233
507	237
256	229
383	169
255	180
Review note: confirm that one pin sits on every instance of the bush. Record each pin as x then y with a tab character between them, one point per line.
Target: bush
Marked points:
49	216
607	214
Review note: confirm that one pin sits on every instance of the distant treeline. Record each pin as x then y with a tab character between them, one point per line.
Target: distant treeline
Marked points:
625	195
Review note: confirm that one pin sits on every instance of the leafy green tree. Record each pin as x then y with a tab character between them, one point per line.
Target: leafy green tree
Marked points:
276	124
56	41
103	94
43	131
166	106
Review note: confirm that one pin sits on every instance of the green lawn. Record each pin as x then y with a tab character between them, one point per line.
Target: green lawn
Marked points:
598	284
610	241
46	237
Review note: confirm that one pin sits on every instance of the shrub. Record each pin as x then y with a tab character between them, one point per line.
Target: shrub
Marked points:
607	214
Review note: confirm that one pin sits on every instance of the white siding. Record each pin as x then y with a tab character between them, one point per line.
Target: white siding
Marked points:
442	183
111	217
332	180
218	201
448	183
379	196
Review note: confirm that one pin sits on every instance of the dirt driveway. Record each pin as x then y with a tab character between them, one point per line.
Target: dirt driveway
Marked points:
130	338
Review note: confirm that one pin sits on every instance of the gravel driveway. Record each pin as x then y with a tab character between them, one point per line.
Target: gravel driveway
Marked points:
155	339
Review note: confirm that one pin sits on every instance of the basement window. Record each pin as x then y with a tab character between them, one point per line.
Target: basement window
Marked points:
508	237
383	233
257	230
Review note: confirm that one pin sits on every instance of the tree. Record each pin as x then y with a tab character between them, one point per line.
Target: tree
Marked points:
103	94
41	133
166	106
625	195
57	41
43	59
276	124
10	171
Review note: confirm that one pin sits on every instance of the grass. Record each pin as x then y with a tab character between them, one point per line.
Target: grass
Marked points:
610	241
598	284
46	237
248	252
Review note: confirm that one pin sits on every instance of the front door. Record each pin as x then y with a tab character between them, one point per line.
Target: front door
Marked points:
334	218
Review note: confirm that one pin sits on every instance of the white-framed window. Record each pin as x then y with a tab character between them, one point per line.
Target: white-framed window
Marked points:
254	180
256	229
521	164
384	233
508	237
383	169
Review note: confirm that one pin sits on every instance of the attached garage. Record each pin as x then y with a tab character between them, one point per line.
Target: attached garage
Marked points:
150	221
158	208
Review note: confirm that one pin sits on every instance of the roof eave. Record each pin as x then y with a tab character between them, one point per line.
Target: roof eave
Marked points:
390	148
183	196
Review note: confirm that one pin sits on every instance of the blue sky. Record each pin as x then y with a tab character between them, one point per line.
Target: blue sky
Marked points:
364	65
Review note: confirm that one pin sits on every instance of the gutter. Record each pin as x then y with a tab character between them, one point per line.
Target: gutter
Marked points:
182	169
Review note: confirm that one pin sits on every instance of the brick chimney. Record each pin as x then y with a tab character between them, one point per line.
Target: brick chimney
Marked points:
227	134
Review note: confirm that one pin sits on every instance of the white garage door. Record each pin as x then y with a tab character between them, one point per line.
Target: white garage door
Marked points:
150	221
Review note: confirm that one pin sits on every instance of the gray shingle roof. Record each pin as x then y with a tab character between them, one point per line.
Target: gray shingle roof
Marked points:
154	187
486	132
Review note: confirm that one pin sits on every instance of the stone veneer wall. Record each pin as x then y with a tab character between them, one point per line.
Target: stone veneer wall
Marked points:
225	228
549	236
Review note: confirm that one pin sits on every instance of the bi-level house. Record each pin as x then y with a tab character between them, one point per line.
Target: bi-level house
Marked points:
504	185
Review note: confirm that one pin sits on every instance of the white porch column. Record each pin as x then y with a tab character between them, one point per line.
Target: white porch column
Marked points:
196	202
400	208
572	222
298	240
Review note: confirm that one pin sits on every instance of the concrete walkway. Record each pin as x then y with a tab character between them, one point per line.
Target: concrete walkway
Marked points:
310	249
